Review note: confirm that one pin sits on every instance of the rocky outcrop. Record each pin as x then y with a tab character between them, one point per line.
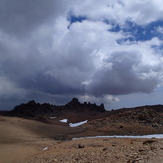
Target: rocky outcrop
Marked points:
74	111
32	109
77	106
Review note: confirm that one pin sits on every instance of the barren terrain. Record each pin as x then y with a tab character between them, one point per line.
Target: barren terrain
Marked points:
30	141
103	150
20	138
41	133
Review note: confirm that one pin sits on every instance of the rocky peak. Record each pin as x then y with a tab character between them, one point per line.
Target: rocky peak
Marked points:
74	101
75	105
77	110
32	102
102	106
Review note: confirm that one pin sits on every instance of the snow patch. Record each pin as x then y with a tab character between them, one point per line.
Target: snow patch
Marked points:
52	117
77	124
45	148
158	136
64	120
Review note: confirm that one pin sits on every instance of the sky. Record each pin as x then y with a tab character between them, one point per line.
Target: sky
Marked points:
108	51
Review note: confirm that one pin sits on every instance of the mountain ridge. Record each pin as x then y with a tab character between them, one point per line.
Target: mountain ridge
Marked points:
42	112
146	119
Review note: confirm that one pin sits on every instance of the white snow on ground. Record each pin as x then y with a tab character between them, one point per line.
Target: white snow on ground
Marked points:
64	120
52	117
45	148
77	124
158	136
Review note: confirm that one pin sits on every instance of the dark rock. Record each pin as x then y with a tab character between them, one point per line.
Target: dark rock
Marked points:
121	126
105	149
80	146
150	141
141	150
102	106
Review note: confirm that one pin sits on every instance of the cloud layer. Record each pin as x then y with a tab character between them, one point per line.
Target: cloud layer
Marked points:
45	54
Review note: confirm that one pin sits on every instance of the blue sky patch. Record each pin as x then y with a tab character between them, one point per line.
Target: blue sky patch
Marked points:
136	32
73	19
144	33
140	33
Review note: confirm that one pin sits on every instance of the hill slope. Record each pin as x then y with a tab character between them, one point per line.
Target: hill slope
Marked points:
133	121
21	138
126	121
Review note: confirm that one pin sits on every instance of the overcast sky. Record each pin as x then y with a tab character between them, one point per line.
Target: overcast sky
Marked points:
108	51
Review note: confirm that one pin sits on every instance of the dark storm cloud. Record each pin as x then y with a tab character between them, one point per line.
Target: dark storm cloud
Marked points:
50	84
43	58
19	17
127	75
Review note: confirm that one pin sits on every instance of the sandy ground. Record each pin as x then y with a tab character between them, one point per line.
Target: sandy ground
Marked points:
17	142
23	141
21	138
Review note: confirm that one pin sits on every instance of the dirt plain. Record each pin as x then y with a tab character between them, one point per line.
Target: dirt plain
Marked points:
21	138
27	141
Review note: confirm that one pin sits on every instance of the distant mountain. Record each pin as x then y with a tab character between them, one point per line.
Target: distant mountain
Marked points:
125	121
74	111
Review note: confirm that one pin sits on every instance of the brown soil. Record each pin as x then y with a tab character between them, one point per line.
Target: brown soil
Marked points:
136	121
23	141
103	150
20	138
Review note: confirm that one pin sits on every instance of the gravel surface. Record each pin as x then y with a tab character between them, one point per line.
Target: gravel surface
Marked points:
103	150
